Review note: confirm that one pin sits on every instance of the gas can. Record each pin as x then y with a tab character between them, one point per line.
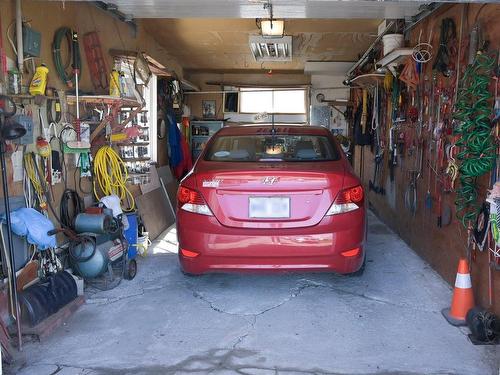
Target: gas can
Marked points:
39	81
114	84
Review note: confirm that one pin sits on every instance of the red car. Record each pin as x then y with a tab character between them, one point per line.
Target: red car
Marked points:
271	198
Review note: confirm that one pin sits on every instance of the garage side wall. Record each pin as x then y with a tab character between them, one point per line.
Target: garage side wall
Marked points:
441	247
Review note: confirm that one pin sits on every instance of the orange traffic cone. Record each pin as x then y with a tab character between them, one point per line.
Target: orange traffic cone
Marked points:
463	298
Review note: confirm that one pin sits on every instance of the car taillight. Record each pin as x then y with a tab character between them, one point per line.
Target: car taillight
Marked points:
192	201
347	200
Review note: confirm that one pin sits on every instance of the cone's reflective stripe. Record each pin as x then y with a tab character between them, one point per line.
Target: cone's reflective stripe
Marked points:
463	281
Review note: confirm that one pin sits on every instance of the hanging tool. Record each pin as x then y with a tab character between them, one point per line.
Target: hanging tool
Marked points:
78	145
364	114
448	33
428	195
452	167
409	75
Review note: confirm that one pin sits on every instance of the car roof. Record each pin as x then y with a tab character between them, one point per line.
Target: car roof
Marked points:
255	129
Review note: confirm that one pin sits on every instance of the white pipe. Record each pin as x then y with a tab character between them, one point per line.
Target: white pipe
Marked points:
239	91
19	36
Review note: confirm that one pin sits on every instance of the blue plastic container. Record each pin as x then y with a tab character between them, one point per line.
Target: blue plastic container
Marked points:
131	235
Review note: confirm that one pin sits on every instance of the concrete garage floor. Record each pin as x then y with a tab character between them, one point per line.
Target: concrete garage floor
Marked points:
386	322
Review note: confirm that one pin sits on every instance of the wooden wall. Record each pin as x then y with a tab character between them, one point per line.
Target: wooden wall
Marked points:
48	16
441	247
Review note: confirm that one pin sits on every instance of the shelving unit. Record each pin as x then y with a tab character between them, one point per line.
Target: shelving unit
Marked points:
201	131
136	152
124	113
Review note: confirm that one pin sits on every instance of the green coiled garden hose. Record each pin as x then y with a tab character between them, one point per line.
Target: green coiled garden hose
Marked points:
478	150
73	52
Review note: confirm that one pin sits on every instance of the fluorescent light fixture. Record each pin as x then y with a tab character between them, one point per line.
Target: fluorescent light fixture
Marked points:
272	28
271	49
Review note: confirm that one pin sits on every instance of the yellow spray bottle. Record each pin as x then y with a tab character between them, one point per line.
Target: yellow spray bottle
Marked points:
114	84
39	81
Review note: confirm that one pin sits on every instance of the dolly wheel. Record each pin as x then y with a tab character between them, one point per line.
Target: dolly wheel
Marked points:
131	269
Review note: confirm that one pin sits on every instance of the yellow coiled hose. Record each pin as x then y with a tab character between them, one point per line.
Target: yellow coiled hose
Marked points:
110	174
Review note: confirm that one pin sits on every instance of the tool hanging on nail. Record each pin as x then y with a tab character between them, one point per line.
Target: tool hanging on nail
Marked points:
78	145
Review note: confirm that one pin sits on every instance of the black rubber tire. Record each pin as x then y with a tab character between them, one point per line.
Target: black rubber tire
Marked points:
131	270
359	272
187	274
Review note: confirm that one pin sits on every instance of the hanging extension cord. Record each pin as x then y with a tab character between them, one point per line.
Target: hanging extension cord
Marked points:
111	175
477	145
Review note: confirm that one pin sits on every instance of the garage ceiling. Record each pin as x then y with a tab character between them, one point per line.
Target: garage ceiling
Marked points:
222	44
212	35
254	8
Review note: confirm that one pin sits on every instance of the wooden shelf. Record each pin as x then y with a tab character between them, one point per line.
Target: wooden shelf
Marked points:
131	110
30	97
135	159
133	144
338	102
103	99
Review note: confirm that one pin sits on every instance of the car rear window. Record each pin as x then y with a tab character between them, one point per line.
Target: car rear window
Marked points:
268	148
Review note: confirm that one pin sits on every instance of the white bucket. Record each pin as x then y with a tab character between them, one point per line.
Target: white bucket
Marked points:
143	243
391	42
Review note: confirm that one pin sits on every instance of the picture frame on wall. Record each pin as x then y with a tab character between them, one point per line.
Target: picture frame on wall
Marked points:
209	109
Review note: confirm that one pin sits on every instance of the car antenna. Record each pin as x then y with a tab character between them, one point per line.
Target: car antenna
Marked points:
273	131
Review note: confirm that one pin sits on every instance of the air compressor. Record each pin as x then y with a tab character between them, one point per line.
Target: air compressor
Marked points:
97	245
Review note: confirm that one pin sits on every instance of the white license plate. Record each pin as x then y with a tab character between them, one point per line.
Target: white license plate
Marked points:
269	207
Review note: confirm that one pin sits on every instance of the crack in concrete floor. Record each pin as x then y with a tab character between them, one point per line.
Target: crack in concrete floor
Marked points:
217	360
295	292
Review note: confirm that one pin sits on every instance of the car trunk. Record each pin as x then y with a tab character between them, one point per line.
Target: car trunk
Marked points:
270	195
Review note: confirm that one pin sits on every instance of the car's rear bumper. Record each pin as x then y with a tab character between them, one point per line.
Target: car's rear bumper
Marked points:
316	248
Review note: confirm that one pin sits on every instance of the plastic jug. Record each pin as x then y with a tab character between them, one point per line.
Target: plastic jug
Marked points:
114	84
39	81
